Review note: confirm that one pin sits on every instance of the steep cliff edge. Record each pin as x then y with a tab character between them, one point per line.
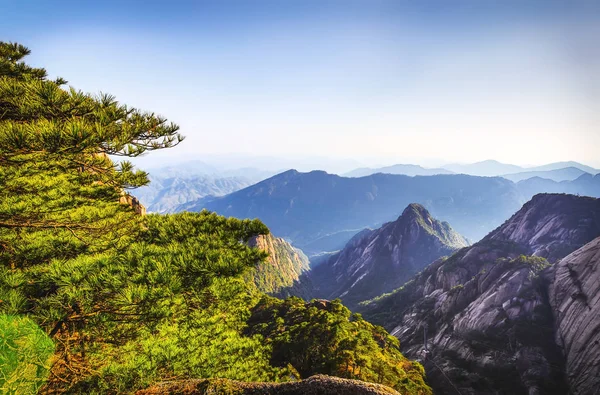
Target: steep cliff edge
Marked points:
377	261
485	310
575	298
279	275
552	225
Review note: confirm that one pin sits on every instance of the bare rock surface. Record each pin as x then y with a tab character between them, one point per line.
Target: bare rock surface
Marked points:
575	298
380	260
486	310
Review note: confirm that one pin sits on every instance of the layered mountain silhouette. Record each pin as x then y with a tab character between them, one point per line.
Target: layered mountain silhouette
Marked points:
408	170
320	212
564	174
167	194
507	315
586	185
377	261
306	207
558	171
491	168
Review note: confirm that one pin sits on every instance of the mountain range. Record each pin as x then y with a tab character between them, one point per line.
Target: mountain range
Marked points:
319	212
167	194
557	171
564	174
172	187
408	170
490	168
508	314
305	207
189	185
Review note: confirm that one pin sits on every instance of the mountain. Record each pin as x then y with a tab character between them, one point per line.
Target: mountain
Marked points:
486	168
485	311
586	185
564	174
165	195
408	170
563	165
574	296
279	275
377	261
171	188
304	207
490	168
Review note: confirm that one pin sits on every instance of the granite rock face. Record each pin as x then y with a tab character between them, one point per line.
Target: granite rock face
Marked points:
552	225
575	299
486	310
378	261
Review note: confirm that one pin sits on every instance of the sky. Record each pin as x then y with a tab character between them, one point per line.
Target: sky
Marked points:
364	82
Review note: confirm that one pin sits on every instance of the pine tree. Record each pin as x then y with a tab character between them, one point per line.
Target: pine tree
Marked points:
85	267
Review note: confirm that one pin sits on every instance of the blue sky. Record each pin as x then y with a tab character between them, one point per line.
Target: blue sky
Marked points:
377	81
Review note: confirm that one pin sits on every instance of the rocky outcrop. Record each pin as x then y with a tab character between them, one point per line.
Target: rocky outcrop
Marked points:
377	261
575	299
280	274
485	310
552	225
133	202
315	385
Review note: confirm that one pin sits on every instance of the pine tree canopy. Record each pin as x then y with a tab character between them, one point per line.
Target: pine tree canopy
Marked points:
39	120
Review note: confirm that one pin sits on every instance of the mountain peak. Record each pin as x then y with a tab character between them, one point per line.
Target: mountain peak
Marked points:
383	259
415	209
551	223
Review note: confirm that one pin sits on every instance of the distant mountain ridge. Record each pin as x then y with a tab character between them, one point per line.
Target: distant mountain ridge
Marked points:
409	170
319	212
378	261
486	168
564	174
558	171
586	185
304	207
172	188
490	168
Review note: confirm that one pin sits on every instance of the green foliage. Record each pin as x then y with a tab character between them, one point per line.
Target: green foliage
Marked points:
127	299
535	263
204	343
324	337
25	351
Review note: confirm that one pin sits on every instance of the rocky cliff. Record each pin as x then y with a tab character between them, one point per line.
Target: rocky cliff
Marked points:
279	275
575	298
380	260
485	311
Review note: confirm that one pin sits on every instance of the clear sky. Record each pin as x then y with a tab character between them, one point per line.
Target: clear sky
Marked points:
379	81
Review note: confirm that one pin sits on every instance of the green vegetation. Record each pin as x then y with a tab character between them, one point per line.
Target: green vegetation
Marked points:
324	337
128	300
25	351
